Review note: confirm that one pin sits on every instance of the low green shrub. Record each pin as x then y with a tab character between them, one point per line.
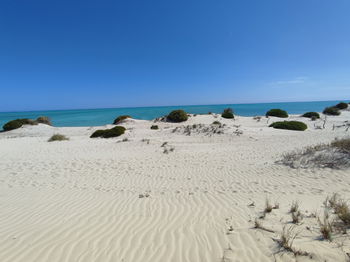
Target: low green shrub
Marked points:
342	105
290	125
17	123
107	133
332	111
44	120
177	116
228	113
216	123
120	119
154	127
277	113
313	115
58	137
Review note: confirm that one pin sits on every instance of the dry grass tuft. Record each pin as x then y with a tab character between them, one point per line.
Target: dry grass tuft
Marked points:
58	137
295	207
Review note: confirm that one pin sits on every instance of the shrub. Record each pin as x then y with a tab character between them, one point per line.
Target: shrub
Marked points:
154	127
290	125
120	119
107	133
312	115
228	113
342	144
342	105
277	113
216	123
58	137
177	116
44	120
17	123
332	111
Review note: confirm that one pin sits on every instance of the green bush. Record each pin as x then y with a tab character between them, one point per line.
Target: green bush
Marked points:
17	123
58	137
44	120
342	105
154	127
313	115
177	116
120	119
290	125
228	113
216	123
277	113
107	133
332	111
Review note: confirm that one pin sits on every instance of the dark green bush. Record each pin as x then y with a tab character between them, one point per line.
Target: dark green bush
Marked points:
216	123
290	125
177	116
17	123
120	119
107	133
332	111
277	113
228	113
313	115
154	127
342	105
44	120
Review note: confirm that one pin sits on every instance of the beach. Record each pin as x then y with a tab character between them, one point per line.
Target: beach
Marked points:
172	194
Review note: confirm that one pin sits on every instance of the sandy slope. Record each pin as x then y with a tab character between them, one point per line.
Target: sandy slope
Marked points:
106	200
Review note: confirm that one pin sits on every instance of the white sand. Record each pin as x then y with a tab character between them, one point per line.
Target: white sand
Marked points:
79	200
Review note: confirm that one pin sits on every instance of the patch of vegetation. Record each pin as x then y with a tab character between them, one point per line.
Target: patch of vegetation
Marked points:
277	113
154	127
177	116
331	111
341	106
289	125
216	123
58	137
312	115
107	133
228	113
119	119
342	144
17	123
44	120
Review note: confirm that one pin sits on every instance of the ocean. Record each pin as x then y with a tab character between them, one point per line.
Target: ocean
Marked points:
98	117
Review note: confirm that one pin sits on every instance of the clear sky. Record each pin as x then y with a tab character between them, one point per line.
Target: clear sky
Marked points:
89	54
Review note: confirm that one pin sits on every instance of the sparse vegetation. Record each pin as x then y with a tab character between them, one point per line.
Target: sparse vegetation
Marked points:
332	111
228	113
17	123
289	125
44	120
268	206
277	113
107	133
120	119
312	115
177	116
154	127
294	207
216	123
296	217
58	137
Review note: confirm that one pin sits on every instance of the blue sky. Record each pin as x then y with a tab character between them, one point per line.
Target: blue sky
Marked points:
91	54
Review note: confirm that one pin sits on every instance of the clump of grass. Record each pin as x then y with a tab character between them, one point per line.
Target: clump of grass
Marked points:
332	111
58	137
312	115
44	120
342	144
326	228
154	127
216	123
268	206
119	119
107	133
296	217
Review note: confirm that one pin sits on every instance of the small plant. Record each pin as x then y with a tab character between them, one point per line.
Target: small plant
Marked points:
119	119
326	227
289	125
287	238
177	116
341	106
154	127
332	111
44	120
268	206
58	137
216	123
257	118
342	144
107	133
164	144
296	217
295	207
228	113
277	113
312	115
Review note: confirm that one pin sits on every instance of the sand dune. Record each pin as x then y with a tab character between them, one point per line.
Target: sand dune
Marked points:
107	200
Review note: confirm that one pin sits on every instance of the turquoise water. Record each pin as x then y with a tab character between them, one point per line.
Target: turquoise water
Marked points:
97	117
